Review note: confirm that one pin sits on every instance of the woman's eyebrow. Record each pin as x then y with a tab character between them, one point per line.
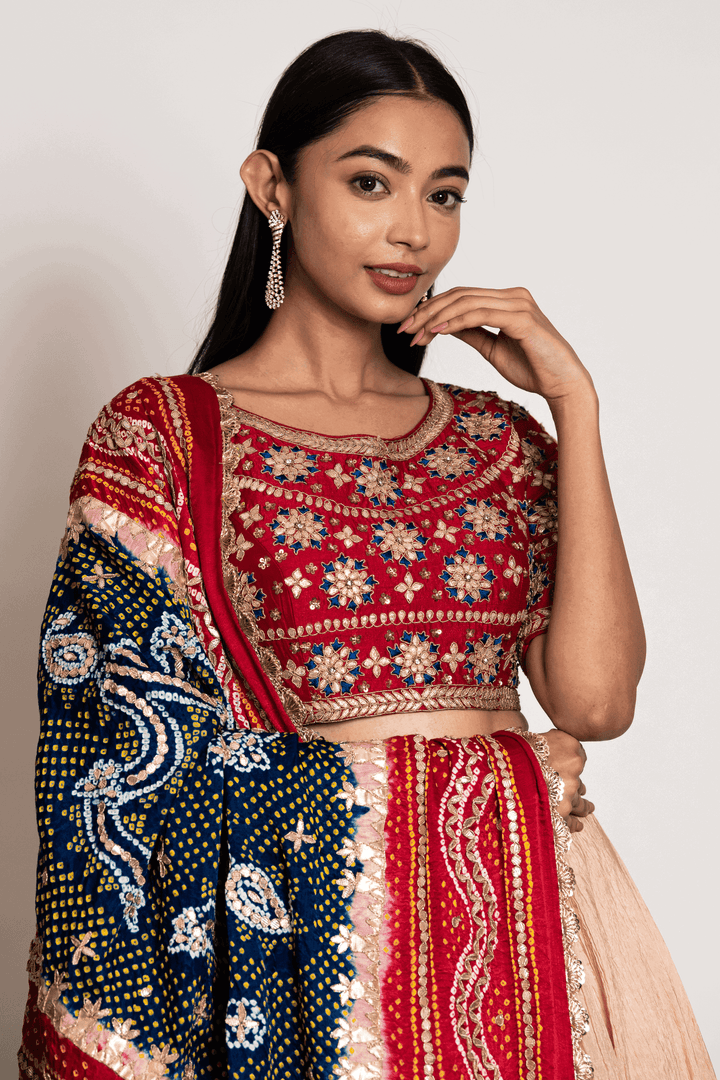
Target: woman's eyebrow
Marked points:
402	166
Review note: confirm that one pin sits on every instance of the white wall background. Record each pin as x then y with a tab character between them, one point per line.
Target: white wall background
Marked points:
595	185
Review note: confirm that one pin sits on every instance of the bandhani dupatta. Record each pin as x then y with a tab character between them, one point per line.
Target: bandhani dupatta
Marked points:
218	896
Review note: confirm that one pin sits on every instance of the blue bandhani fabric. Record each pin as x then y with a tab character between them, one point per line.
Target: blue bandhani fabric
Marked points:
148	797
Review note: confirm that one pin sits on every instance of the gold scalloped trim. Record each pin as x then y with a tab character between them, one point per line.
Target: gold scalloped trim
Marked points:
105	1043
579	1019
438	416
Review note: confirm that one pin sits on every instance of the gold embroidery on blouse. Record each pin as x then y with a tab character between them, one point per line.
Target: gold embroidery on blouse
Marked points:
439	415
337	666
332	710
397	619
381	513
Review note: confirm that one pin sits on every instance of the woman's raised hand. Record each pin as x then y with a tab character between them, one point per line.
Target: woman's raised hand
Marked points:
527	350
568	757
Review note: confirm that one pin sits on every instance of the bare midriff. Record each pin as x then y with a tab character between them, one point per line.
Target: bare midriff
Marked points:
441	724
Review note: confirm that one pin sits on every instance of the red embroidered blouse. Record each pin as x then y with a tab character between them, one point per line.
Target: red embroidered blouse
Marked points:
391	575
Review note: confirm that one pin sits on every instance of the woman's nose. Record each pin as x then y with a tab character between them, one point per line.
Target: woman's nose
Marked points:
409	224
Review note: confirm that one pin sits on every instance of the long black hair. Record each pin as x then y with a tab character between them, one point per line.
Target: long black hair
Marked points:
320	89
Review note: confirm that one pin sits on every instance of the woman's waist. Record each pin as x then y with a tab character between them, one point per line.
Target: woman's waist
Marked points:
440	723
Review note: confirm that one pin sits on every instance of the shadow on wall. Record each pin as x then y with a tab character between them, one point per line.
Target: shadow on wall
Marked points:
74	332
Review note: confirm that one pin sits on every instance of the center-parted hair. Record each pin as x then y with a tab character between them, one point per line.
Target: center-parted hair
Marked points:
322	87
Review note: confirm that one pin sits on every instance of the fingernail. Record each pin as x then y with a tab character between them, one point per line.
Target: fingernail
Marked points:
404	325
438	328
416	338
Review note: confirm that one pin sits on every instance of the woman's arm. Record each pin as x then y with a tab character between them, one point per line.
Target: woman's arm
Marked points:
584	671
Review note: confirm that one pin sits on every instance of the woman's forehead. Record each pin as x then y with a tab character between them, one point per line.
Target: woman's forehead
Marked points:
422	133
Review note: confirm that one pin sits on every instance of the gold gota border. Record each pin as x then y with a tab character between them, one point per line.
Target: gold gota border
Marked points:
106	1042
575	976
440	413
125	481
152	548
360	1033
406	699
398	619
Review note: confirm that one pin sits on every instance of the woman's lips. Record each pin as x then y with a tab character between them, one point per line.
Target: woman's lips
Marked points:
396	285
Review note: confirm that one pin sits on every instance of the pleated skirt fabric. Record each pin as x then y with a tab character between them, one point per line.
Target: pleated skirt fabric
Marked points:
642	1026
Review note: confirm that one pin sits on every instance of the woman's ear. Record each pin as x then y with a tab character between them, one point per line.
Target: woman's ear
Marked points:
262	175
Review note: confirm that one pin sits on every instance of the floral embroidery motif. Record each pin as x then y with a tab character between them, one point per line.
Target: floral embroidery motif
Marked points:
296	583
191	935
376	481
338	476
407	588
466	577
375	662
453	657
483	658
448	462
415	659
298	528
482	425
399	541
245	1024
485	519
513	570
543	517
250	597
298	836
347	537
333	668
288	464
347	583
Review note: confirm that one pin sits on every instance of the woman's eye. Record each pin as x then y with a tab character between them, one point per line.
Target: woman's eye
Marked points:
366	184
449	199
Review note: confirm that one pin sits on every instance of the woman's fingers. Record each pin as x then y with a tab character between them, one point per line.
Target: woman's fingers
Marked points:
468	312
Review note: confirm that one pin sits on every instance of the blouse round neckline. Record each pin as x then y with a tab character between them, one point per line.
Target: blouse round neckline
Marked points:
437	415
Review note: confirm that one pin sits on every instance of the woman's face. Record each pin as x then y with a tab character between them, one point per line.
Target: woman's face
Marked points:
383	189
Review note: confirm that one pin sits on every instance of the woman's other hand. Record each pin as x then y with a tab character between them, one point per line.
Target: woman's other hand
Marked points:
527	351
567	757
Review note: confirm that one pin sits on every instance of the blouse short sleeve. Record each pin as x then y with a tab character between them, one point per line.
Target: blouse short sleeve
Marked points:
539	465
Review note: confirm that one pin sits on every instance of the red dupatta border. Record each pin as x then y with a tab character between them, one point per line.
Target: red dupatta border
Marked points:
455	846
206	494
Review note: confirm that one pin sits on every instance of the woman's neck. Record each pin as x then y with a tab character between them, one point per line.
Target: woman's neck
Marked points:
310	344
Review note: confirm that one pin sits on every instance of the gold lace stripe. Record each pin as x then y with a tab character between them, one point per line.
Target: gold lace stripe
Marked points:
407	699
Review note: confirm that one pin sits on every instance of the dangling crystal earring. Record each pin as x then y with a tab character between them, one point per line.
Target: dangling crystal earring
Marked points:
423	298
274	290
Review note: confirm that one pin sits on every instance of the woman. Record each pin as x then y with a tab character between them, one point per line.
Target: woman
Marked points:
292	822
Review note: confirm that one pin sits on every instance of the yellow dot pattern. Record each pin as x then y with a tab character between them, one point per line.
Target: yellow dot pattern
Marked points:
195	899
